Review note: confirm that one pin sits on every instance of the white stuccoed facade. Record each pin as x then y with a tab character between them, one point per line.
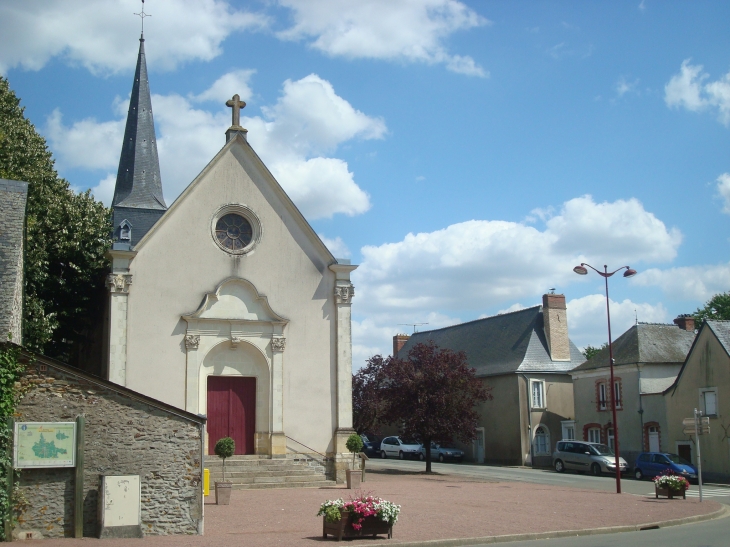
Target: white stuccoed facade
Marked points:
182	309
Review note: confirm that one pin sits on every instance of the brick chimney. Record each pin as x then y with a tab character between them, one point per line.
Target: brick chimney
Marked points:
399	340
555	317
685	322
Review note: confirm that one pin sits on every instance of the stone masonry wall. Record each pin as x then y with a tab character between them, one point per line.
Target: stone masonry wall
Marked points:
13	196
123	435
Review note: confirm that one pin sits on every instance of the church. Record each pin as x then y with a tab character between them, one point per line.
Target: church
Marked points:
226	303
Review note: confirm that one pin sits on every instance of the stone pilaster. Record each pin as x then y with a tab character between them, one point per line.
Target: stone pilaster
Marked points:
119	284
278	439
344	291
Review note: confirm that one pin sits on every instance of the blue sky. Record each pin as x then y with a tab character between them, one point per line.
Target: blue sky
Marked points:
467	154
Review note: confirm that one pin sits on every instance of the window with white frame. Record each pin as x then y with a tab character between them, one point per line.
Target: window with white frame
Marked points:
542	441
568	427
602	398
609	434
618	395
538	393
708	401
594	435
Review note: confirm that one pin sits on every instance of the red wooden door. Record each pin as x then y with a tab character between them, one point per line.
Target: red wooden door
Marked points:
232	411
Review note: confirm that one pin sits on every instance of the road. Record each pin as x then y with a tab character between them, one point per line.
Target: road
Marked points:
715	533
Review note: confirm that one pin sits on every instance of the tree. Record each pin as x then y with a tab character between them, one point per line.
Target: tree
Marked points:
717	307
433	394
67	235
367	397
589	352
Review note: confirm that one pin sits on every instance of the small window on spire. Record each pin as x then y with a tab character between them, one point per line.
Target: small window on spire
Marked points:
125	231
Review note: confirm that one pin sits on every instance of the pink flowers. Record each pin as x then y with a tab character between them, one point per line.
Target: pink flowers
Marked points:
360	507
364	506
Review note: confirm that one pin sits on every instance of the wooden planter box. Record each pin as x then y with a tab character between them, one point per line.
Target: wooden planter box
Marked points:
371	526
670	493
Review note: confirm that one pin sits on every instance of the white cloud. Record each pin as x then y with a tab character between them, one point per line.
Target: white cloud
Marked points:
623	86
642	5
587	324
481	264
688	90
405	30
98	35
336	246
688	283
232	83
104	191
308	121
723	188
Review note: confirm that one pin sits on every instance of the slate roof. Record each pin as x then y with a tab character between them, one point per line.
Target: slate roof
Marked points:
722	332
138	178
13	198
645	343
502	344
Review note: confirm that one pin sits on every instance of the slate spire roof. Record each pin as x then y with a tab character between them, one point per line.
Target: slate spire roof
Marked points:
138	178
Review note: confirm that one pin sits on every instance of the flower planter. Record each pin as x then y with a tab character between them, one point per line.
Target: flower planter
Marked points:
371	526
670	493
223	493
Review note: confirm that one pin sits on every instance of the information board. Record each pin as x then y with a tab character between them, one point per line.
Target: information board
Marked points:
44	444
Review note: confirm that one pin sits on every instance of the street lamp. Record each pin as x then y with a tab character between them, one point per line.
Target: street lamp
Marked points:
581	270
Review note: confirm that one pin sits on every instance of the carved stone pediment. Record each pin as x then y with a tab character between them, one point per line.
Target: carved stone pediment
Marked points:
236	299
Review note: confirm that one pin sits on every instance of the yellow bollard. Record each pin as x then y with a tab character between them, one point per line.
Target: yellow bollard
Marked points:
206	482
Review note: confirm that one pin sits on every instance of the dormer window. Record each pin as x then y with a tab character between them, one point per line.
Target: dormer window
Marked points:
125	231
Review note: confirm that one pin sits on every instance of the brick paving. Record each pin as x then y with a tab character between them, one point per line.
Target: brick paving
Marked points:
433	507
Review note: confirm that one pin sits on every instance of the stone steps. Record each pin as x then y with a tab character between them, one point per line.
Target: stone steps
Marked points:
253	472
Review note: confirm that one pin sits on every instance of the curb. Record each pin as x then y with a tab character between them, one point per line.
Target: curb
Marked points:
723	512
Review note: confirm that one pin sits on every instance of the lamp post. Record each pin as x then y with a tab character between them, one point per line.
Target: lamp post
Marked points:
581	270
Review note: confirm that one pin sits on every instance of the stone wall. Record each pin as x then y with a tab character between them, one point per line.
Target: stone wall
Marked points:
13	197
125	433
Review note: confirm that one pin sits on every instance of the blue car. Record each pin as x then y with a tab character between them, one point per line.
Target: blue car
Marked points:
651	464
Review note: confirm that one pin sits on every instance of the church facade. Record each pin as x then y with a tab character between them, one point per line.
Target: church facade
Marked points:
227	304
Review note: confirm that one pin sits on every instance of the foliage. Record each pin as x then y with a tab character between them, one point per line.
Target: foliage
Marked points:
67	235
589	352
433	394
10	371
364	505
354	444
367	402
717	307
225	448
668	479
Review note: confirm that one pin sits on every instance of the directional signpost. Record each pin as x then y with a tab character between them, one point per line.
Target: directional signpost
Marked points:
697	426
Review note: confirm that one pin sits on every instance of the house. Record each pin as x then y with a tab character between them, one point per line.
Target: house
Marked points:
13	199
526	358
647	359
124	433
703	383
227	303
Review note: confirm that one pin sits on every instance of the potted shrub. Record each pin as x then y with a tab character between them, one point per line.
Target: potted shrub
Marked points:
354	444
224	448
670	485
365	515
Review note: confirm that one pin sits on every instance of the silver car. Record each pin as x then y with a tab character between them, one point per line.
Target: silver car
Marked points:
395	447
583	456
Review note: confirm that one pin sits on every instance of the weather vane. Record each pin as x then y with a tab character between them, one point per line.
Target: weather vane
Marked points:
142	15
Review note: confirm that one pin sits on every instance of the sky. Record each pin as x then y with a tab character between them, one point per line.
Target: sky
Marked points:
466	154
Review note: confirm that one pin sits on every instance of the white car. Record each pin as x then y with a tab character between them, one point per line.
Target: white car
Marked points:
395	447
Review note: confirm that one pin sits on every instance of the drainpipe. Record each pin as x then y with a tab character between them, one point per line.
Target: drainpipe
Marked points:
641	409
201	521
529	420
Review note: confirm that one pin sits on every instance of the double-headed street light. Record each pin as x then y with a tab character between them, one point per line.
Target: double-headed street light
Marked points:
581	270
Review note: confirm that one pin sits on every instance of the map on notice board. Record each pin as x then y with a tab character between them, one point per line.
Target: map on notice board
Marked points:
45	444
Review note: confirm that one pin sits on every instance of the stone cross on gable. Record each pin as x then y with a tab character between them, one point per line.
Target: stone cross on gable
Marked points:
236	104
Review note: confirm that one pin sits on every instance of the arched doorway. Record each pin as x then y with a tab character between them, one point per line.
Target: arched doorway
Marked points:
236	396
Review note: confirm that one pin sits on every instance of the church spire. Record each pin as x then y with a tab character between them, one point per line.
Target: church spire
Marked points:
138	202
138	178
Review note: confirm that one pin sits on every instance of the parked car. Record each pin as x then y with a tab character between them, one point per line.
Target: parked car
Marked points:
395	447
442	452
651	464
371	445
595	458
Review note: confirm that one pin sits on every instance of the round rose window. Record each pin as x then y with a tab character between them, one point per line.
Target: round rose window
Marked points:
233	232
